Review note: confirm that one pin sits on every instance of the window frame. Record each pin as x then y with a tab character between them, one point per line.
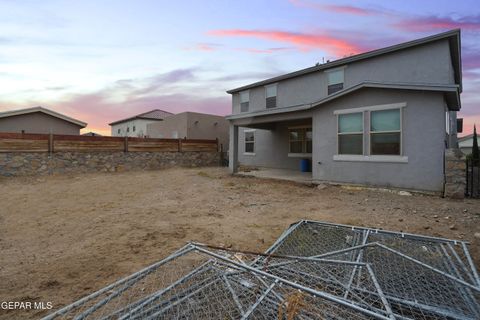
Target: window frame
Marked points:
245	92
351	133
251	142
304	141
273	85
370	133
366	156
328	72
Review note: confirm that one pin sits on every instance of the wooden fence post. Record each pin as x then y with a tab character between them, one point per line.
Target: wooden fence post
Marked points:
179	145
216	139
126	144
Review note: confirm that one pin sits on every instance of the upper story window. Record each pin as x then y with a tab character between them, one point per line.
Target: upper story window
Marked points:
133	128
350	133
385	132
271	95
128	129
244	101
335	80
118	131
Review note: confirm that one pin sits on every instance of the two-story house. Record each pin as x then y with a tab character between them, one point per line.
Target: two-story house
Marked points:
136	126
381	118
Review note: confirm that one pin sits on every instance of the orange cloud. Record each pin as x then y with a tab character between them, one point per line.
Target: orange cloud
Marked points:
302	41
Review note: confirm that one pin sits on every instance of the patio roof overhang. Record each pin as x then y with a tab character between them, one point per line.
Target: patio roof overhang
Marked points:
451	92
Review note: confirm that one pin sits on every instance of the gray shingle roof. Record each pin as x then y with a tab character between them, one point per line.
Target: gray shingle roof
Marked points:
453	36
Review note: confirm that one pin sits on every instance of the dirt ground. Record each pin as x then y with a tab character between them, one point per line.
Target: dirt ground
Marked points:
62	237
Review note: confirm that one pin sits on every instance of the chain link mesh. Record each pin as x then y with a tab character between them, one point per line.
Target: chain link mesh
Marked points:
314	270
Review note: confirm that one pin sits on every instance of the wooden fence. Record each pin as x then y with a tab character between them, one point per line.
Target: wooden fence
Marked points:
18	142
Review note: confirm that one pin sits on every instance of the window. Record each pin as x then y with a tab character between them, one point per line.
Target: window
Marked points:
128	129
244	101
335	80
385	133
300	140
350	133
175	134
249	141
118	131
271	96
133	129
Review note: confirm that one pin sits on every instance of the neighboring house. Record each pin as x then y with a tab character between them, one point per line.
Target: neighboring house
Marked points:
465	143
380	118
136	126
192	125
39	120
91	134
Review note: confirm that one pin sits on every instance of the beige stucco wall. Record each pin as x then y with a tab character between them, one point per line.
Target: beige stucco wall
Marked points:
192	125
38	122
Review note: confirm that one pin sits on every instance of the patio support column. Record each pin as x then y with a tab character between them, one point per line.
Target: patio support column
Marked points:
233	149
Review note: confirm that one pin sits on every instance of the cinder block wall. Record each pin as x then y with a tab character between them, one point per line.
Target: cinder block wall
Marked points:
31	164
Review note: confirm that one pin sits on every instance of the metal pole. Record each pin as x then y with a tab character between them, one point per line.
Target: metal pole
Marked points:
430	268
298	286
252	308
470	262
180	252
373	230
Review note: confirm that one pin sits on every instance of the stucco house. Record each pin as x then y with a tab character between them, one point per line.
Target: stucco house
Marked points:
465	143
381	118
39	120
136	126
191	125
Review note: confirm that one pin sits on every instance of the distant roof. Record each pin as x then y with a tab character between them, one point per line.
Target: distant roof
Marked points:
468	136
453	36
155	114
49	112
91	133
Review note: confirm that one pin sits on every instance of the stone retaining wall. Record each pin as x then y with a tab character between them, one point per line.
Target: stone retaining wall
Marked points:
455	178
30	164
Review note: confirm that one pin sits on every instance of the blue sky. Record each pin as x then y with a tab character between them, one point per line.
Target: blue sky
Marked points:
100	61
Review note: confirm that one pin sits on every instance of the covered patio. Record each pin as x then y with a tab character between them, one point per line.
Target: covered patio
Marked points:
278	174
275	145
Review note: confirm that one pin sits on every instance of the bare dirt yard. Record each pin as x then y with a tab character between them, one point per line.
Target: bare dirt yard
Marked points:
62	237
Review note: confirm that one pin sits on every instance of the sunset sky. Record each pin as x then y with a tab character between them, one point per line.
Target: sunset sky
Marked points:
100	61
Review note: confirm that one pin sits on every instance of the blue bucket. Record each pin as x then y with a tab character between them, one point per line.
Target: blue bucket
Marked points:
305	165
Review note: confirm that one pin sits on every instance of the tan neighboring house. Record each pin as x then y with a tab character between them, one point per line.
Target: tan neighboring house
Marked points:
39	120
136	126
191	125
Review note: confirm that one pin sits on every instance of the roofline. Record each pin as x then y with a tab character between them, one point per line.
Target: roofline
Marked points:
52	113
451	89
139	116
468	136
366	55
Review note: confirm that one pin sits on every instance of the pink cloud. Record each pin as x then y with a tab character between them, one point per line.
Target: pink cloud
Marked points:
263	51
302	41
344	9
208	47
432	23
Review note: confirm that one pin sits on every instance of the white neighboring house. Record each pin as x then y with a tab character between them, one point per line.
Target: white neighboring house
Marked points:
465	143
136	126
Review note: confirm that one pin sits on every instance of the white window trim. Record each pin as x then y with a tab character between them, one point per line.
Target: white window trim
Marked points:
372	108
244	142
334	70
391	131
269	86
346	133
373	158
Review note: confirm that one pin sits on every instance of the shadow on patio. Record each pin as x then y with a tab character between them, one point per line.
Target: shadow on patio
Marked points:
278	174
